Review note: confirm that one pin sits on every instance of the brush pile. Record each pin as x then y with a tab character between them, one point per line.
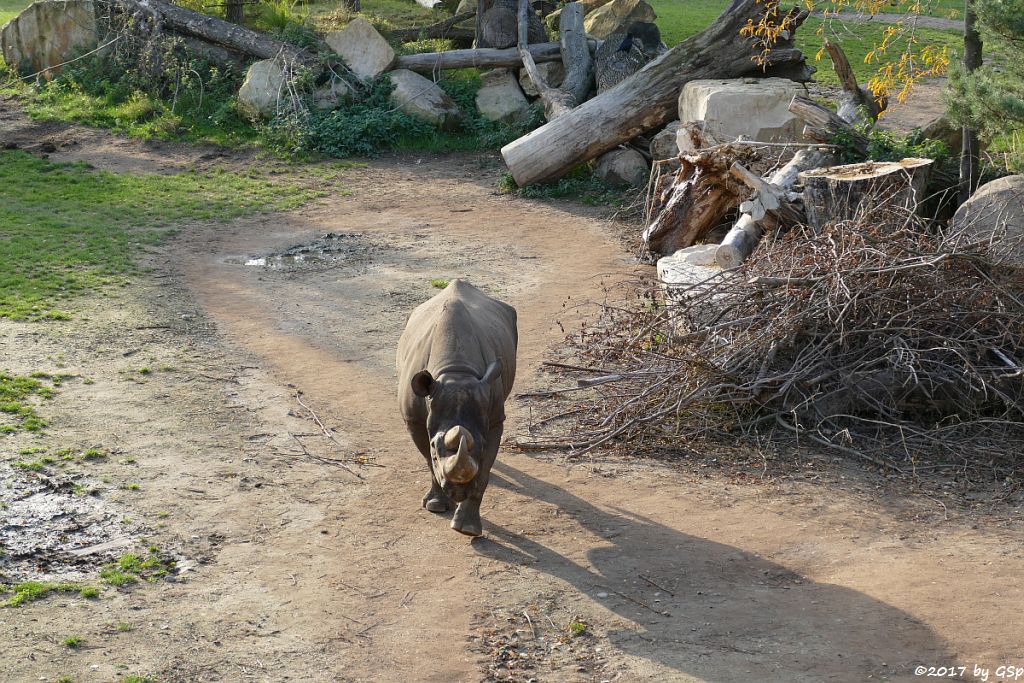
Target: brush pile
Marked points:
871	337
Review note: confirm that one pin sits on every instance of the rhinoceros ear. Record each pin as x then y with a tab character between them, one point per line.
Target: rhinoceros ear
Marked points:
493	370
422	383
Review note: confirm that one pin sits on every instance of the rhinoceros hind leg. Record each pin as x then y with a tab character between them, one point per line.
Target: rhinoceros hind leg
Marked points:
435	500
466	519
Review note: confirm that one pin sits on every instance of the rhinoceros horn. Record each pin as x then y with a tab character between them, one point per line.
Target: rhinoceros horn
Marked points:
461	467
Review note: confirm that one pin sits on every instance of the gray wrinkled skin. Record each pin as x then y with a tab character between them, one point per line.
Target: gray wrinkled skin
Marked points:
456	366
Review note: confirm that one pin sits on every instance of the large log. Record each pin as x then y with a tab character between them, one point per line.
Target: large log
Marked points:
647	99
857	190
856	104
213	30
481	58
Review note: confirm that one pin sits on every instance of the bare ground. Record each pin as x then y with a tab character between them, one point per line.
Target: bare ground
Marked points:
293	567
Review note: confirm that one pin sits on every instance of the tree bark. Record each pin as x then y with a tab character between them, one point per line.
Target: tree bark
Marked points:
856	105
647	99
212	30
970	162
823	125
483	58
575	59
234	11
441	30
855	191
771	206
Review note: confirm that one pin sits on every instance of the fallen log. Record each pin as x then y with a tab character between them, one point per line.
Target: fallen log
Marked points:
647	99
856	190
480	58
441	30
701	195
824	126
856	105
212	30
770	206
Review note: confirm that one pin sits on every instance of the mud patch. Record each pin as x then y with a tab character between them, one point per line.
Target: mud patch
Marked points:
333	250
53	530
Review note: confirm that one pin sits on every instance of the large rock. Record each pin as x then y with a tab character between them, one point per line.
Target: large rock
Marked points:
588	7
755	108
945	132
995	212
500	98
623	167
364	50
49	33
262	91
664	145
616	17
551	72
420	97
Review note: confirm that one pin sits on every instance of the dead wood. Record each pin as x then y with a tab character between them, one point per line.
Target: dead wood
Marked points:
576	60
480	58
441	30
856	105
647	99
825	126
847	192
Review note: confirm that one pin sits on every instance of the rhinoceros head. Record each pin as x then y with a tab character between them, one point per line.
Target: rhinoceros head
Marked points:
458	413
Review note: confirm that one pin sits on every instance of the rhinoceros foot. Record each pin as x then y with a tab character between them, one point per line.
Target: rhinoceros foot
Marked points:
466	519
435	501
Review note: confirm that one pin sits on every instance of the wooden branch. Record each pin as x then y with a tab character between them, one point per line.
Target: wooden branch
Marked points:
856	105
556	101
483	58
648	98
823	125
769	208
576	58
442	29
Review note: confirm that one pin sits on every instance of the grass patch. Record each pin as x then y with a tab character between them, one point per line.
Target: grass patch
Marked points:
16	392
11	8
581	184
131	568
72	642
30	591
66	229
439	283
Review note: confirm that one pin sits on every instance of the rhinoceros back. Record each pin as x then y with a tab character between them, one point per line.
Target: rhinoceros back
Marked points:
459	329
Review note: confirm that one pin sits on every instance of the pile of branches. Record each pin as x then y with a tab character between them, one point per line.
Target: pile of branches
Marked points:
871	337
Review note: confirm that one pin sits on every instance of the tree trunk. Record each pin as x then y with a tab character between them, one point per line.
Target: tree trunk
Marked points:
647	99
969	158
857	190
856	105
480	58
823	125
212	30
770	206
234	11
575	59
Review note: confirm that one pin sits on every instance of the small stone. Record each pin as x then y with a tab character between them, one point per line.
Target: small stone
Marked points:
262	90
551	72
664	145
364	50
602	595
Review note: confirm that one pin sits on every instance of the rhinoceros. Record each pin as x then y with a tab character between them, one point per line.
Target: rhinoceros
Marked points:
456	366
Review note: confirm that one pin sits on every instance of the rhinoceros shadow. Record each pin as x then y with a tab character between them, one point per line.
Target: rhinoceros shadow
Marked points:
717	613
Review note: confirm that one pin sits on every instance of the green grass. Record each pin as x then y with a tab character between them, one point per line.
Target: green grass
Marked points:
16	409
10	9
67	230
439	283
679	19
151	567
30	591
72	642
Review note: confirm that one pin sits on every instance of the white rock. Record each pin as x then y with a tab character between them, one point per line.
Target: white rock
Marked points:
332	95
664	145
755	108
48	33
683	273
364	50
551	72
623	167
500	98
995	212
421	97
262	90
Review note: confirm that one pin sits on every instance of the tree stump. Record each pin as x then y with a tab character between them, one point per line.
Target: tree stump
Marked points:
856	190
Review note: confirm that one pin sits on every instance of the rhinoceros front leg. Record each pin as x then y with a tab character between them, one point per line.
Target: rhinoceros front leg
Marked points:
435	499
466	519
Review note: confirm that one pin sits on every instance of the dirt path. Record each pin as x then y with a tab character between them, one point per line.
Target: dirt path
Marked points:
299	570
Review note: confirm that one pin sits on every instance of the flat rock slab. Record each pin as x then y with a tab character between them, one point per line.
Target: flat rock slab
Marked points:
420	97
995	213
364	50
262	90
755	108
500	98
49	33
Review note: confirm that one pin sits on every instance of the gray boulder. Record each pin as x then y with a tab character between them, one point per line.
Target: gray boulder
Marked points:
420	97
995	213
552	72
623	168
664	145
616	17
262	91
48	33
500	98
364	50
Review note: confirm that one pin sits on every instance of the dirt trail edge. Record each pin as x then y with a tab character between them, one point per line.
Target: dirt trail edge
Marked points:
279	333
